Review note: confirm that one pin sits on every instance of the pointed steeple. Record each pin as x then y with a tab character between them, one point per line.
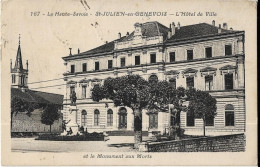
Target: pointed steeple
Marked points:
19	75
18	61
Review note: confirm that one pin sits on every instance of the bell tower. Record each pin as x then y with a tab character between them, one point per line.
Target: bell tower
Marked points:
19	75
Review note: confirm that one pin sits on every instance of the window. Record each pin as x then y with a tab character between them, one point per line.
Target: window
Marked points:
228	81
209	121
172	57
173	82
190	82
110	117
122	60
153	58
189	54
110	64
84	118
72	69
13	78
84	92
72	89
153	121
208	52
209	82
84	67
96	65
190	118
228	50
153	79
229	115
137	60
22	80
96	117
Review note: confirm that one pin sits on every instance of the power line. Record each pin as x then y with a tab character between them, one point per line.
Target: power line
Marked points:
48	86
45	81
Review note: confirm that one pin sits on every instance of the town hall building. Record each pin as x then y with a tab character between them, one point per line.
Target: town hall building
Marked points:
204	56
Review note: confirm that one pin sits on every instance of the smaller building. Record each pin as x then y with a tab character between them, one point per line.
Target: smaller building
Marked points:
23	122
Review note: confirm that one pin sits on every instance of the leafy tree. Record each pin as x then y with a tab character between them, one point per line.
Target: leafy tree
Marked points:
131	91
20	105
136	93
202	104
50	114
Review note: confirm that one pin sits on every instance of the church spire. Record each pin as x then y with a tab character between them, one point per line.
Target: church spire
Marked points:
18	61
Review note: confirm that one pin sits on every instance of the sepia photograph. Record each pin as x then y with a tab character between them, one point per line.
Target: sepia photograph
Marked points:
128	82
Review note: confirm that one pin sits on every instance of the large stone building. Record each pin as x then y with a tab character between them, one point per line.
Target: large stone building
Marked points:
21	121
204	56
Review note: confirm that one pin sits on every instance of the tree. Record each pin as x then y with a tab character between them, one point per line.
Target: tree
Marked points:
131	91
136	93
20	105
202	104
50	114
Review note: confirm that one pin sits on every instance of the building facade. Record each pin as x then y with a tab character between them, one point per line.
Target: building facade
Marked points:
21	122
204	56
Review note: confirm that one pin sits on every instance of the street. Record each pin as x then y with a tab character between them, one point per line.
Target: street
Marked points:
115	144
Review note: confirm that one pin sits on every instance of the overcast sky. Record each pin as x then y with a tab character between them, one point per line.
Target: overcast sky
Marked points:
45	39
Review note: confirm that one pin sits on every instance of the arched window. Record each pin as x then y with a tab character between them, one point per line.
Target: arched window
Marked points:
109	117
153	79
122	118
229	115
96	117
84	118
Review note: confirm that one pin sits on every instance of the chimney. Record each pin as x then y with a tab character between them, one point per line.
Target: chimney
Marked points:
10	65
231	28
179	25
127	33
173	29
169	32
219	28
106	42
225	26
213	22
70	51
27	65
119	35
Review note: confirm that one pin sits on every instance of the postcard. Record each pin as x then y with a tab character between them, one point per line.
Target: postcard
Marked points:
150	83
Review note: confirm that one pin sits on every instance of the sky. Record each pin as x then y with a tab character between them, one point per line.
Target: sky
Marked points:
46	39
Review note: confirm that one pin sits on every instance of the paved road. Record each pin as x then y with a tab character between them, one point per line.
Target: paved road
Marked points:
115	144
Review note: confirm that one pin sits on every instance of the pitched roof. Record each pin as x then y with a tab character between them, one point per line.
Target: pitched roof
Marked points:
196	30
151	29
37	96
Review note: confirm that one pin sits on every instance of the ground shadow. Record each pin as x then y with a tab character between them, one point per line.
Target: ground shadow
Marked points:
118	145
